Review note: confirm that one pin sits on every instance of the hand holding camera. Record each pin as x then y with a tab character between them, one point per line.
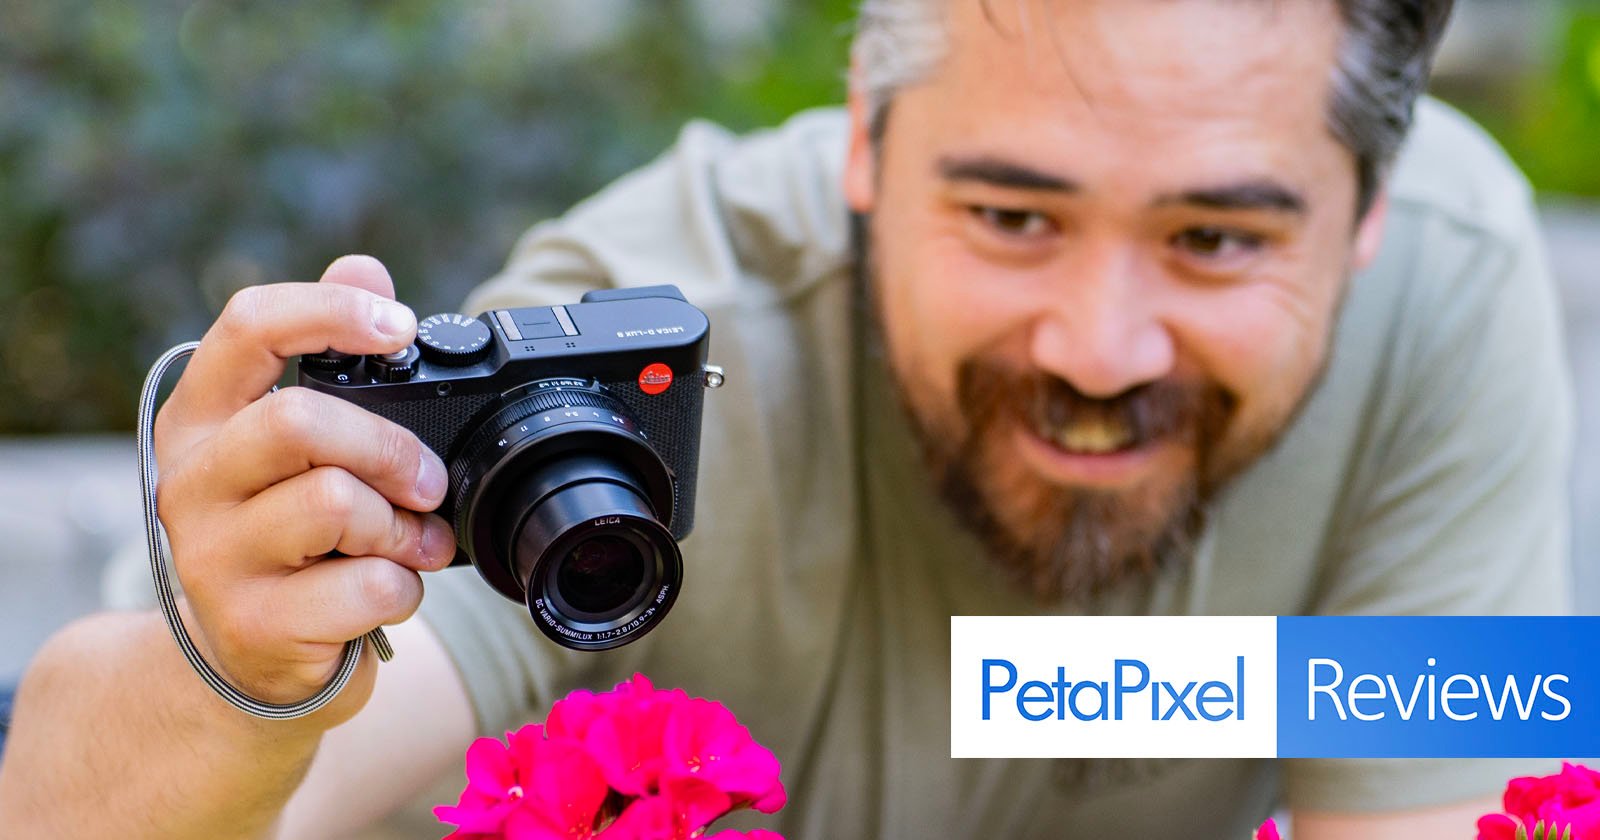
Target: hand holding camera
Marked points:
297	520
572	434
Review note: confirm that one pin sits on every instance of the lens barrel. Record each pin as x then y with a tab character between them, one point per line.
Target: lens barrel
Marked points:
562	504
595	563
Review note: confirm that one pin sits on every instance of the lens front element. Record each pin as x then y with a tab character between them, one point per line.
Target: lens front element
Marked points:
602	575
597	566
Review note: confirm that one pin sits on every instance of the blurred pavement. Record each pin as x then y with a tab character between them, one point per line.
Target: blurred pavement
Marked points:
68	504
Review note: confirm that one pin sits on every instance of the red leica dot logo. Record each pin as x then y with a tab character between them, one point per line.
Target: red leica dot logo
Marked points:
655	378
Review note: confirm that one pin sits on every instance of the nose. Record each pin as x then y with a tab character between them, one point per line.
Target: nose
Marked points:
1101	329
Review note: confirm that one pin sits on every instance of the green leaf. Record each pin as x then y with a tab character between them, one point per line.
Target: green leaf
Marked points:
1544	832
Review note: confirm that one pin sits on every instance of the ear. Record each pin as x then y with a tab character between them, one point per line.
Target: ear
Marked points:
1369	231
860	179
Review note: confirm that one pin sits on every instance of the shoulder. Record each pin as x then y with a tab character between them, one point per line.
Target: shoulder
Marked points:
781	195
1462	251
1450	169
731	220
1461	321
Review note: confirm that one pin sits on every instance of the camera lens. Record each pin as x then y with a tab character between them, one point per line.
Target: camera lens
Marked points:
566	507
597	567
602	575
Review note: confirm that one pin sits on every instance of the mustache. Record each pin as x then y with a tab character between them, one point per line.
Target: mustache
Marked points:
988	391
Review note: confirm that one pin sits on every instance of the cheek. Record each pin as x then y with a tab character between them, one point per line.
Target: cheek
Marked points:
1262	341
941	304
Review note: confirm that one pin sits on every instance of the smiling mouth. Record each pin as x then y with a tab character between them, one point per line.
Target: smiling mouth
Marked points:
1086	435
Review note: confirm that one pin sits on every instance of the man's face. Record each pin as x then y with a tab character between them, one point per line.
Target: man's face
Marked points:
1108	239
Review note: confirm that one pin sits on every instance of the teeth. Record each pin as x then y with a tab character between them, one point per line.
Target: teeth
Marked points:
1093	438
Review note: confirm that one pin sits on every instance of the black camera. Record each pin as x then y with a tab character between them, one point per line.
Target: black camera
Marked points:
572	435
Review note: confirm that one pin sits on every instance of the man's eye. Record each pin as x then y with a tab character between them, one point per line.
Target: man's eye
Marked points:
1013	222
1218	244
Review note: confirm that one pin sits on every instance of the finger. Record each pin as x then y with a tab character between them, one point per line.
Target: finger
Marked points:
362	272
243	353
296	429
329	510
338	599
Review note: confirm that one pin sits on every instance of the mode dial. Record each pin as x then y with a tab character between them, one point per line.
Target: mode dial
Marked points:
450	338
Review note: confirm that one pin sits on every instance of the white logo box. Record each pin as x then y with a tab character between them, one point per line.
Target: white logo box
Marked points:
1191	666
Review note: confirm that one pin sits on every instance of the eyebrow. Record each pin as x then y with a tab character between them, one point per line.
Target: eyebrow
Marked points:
1002	173
1250	195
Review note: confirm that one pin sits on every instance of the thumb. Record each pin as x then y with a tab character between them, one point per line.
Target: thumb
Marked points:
361	271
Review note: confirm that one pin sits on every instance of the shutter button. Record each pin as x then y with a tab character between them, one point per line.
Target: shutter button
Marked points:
395	367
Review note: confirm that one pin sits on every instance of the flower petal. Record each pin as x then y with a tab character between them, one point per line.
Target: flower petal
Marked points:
1497	827
626	743
571	716
565	787
646	818
487	820
695	804
703	740
489	767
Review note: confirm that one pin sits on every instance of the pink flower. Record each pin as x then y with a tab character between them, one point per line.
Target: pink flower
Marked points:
564	786
571	716
622	730
537	789
663	765
1267	830
753	834
492	790
1569	798
703	740
1496	827
684	807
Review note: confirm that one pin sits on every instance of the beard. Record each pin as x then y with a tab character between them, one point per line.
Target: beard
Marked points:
1060	542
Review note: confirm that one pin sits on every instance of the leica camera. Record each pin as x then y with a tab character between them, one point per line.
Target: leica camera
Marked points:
571	434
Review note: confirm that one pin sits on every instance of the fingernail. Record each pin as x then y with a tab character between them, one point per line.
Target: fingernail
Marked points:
392	318
431	478
438	545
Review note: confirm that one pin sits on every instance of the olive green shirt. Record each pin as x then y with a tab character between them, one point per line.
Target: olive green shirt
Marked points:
1426	474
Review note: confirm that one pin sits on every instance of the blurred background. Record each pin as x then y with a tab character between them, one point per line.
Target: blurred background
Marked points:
155	157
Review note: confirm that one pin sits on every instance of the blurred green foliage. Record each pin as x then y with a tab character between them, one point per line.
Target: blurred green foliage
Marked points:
1548	119
1558	141
154	157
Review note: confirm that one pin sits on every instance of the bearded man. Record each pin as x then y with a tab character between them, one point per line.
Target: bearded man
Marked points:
1082	306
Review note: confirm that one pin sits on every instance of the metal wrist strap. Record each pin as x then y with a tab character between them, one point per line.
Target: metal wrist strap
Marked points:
169	602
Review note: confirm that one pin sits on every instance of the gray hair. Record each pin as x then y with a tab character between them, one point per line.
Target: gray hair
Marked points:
1384	59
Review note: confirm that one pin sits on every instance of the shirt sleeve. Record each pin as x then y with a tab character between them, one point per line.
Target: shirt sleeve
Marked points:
728	220
1462	504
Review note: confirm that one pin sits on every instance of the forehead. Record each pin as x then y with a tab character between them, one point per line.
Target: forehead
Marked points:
1202	82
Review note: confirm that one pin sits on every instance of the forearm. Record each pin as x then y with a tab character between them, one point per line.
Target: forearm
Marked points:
114	736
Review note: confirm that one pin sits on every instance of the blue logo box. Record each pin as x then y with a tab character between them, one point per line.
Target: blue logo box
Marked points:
1438	687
